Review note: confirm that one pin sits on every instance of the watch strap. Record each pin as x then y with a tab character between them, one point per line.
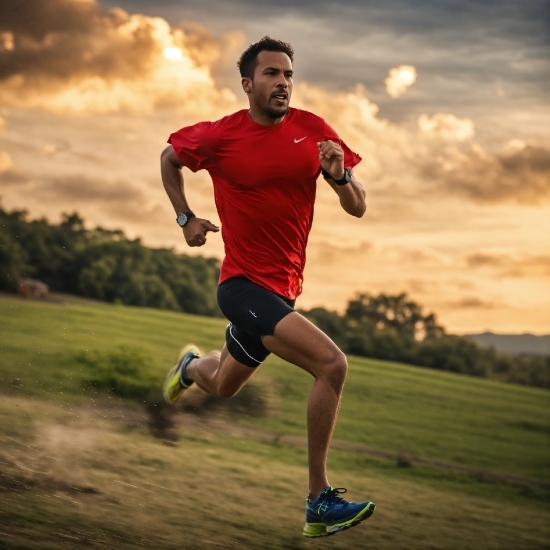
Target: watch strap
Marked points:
188	215
343	181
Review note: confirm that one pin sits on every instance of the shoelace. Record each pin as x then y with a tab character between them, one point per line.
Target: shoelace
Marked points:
333	496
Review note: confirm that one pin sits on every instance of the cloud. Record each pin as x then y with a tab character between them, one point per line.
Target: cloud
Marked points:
441	157
380	143
75	188
443	187
117	201
462	50
81	188
486	260
472	302
518	174
399	79
525	265
447	127
5	162
75	56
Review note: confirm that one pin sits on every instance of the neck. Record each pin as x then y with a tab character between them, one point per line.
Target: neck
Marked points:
263	119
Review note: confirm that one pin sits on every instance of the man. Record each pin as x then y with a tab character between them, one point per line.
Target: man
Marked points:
264	163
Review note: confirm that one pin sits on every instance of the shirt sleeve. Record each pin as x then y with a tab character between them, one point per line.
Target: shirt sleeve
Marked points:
194	145
351	159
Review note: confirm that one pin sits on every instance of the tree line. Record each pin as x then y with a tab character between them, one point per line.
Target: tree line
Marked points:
395	328
103	264
106	265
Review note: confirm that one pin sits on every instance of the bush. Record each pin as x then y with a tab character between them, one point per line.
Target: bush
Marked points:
124	372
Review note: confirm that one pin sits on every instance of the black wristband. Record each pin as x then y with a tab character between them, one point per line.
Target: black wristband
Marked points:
343	181
326	175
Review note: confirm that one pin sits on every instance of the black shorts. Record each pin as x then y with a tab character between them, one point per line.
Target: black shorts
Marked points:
253	312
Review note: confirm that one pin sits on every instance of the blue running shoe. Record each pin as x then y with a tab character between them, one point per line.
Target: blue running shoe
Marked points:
330	513
174	383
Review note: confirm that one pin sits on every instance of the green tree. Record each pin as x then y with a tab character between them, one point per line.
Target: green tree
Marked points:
394	313
330	322
13	262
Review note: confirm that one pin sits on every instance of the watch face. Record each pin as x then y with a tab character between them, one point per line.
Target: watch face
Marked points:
181	219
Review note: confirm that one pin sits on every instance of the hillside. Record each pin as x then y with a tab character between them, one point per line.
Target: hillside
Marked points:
106	265
452	461
514	344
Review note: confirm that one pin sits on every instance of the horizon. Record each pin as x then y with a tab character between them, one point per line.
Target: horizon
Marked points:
445	103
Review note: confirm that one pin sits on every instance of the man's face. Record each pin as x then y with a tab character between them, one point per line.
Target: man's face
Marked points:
271	88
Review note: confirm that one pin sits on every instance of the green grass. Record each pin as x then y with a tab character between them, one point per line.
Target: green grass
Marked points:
433	414
61	437
386	405
74	478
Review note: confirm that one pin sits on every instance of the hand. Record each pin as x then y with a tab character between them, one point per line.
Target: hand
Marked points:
195	231
331	158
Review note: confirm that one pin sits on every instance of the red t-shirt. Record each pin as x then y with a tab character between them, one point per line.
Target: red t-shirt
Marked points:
264	185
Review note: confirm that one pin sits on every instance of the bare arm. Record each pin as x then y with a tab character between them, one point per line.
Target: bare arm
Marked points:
172	178
352	195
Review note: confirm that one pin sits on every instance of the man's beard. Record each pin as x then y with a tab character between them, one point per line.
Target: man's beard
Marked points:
273	113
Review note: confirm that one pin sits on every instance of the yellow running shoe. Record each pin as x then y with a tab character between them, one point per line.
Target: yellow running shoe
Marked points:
175	382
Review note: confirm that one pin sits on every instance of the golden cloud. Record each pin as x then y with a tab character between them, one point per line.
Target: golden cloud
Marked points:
440	157
400	79
428	184
75	56
379	142
5	162
519	175
446	127
526	265
471	302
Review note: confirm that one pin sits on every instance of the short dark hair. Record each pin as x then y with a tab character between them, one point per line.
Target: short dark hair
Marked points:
249	58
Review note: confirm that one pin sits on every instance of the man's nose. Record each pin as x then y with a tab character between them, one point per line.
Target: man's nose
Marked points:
281	81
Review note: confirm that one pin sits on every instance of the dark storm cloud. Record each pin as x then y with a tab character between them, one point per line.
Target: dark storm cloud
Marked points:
418	17
59	40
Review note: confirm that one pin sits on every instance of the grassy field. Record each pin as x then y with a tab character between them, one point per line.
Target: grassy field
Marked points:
78	466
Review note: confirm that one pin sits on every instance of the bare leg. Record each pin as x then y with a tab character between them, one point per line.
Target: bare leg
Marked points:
300	342
297	341
219	374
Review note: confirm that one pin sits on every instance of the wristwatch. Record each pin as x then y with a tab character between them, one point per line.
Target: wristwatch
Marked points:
343	181
184	217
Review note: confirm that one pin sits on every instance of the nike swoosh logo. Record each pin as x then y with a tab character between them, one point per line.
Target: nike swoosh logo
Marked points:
298	140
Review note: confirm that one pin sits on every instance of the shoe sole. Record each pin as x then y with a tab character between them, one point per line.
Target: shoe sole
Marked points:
362	516
315	530
184	351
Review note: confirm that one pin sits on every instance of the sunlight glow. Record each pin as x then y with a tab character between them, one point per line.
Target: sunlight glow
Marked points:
399	79
173	53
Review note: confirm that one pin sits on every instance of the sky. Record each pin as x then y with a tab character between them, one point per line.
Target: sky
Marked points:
446	101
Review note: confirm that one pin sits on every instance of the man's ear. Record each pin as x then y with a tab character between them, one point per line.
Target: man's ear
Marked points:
246	84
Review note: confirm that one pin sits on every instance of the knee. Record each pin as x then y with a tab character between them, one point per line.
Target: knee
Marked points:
340	367
336	369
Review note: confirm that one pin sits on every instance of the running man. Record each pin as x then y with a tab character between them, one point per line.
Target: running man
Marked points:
264	163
